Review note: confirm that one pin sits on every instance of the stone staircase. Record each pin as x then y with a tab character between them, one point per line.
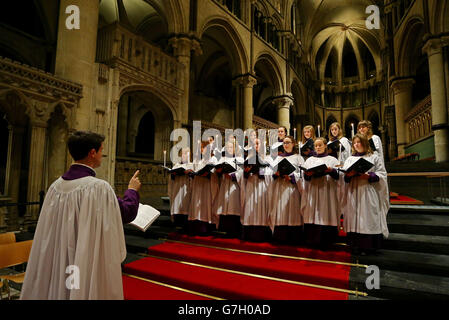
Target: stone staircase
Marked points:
414	261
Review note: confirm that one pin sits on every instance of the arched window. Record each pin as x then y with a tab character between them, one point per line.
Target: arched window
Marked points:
145	135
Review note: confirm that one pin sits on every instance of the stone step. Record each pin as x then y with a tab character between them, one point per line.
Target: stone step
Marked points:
417	223
417	243
413	262
419	209
402	285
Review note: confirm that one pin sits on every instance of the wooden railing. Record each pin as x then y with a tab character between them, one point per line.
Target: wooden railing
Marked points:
419	120
260	123
117	44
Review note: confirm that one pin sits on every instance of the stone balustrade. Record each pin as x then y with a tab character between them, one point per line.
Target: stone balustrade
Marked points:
117	45
419	120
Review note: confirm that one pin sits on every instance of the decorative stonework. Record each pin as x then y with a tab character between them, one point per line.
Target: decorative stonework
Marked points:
37	83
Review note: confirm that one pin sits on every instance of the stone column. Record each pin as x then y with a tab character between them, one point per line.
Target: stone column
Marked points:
440	127
75	57
182	50
122	128
403	102
247	81
36	170
17	142
283	105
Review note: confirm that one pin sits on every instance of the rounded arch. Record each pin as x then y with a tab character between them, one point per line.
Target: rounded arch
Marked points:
440	12
272	66
233	43
158	94
410	45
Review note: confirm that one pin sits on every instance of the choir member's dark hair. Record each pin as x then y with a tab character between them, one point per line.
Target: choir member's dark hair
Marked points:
80	143
295	144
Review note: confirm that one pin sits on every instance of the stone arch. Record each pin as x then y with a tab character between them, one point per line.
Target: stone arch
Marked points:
273	67
440	12
408	47
166	100
351	118
330	119
375	120
233	42
299	96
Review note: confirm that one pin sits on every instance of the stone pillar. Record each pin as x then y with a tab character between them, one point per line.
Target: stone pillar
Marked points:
36	170
183	47
440	127
18	136
75	57
283	105
247	81
122	129
403	102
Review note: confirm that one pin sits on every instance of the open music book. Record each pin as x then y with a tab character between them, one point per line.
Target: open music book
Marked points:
146	215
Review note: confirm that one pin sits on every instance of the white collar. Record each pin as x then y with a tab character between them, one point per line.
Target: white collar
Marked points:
82	164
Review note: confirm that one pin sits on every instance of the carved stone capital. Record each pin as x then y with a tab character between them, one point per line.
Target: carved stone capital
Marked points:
246	81
402	85
283	102
183	45
433	46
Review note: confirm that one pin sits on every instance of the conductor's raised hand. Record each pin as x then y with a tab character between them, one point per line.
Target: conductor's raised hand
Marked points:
135	183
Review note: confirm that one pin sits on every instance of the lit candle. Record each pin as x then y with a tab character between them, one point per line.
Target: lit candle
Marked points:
352	130
319	133
294	133
165	158
339	154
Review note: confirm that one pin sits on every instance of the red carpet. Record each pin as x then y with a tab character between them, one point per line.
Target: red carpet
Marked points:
325	274
236	275
135	289
401	199
267	247
225	285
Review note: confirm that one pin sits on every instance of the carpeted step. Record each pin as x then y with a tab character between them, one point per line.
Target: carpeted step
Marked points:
136	289
320	273
417	243
416	223
224	284
333	255
420	209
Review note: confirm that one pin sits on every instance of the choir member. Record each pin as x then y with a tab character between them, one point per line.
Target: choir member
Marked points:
319	201
254	183
335	133
365	127
278	147
365	200
227	205
285	217
306	144
250	147
204	190
179	189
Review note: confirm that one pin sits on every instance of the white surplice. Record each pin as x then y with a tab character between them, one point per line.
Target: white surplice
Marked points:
285	197
228	201
79	225
319	201
204	191
179	191
348	149
365	205
379	149
254	196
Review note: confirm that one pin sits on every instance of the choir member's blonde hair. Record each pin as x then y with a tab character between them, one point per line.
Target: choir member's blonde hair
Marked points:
321	139
369	125
340	132
312	130
365	143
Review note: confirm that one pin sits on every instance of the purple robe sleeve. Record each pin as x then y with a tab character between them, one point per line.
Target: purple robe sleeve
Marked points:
129	205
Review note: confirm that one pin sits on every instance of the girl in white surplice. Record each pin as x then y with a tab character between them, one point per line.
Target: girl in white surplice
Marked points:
285	217
227	205
365	200
320	204
204	190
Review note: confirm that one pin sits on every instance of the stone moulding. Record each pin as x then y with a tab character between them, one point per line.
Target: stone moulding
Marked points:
38	82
